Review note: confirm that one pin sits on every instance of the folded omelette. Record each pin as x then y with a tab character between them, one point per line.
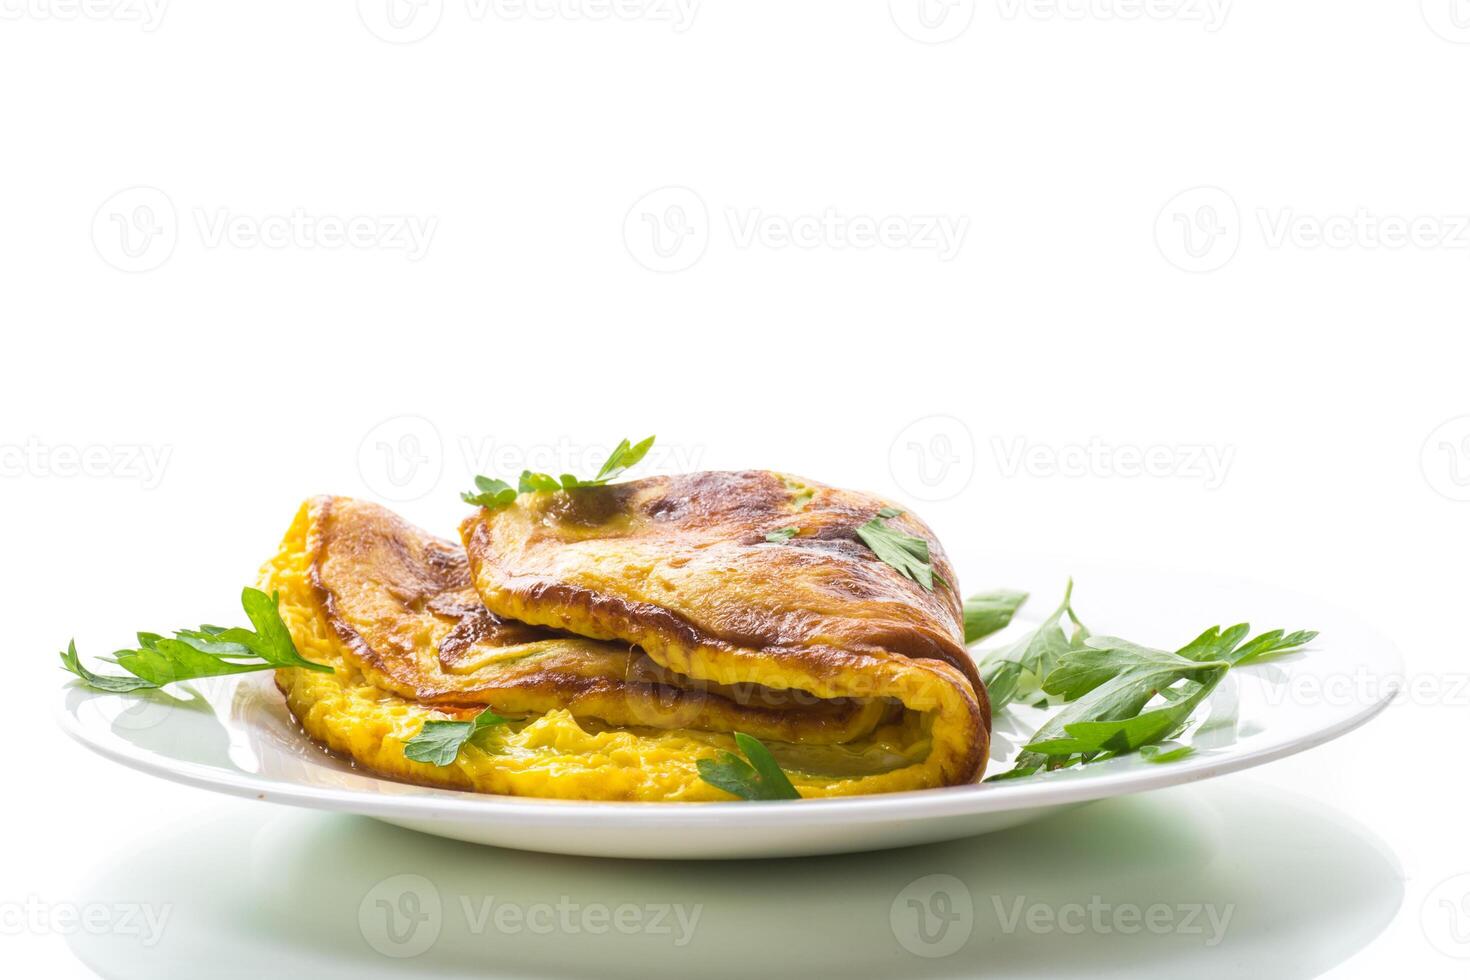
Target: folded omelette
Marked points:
628	631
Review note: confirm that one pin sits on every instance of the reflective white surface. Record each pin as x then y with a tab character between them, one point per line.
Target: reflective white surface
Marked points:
1239	880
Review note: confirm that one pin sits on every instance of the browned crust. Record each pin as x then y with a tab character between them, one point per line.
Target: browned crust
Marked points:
445	589
822	601
618	617
600	682
751	503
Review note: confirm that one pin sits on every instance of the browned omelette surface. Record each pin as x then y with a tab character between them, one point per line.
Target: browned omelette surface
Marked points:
681	567
401	604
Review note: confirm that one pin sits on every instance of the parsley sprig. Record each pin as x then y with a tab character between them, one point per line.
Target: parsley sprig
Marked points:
492	493
760	778
991	612
209	651
1159	753
438	742
1122	697
908	554
1016	671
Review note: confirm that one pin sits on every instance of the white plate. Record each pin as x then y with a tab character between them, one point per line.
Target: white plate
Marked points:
235	736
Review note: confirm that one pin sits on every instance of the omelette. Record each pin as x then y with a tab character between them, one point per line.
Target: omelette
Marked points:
626	632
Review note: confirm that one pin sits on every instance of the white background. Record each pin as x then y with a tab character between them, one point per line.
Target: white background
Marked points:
177	291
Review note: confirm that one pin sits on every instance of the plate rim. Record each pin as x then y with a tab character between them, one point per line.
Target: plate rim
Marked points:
934	803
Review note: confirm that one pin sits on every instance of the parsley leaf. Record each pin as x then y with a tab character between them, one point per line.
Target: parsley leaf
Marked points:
908	554
494	493
759	779
1017	670
537	482
209	651
1157	753
991	612
438	742
781	535
115	685
1015	772
1128	731
1273	644
622	458
1102	658
271	640
1111	686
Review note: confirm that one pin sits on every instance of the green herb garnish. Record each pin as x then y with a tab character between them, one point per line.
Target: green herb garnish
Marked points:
438	742
781	535
494	493
1111	683
209	651
991	612
908	554
113	684
1018	669
759	779
1157	753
